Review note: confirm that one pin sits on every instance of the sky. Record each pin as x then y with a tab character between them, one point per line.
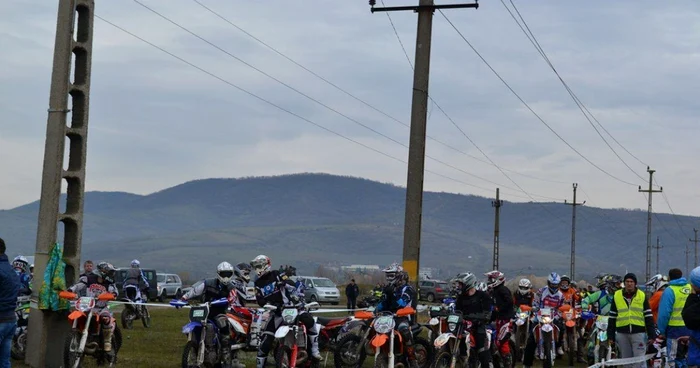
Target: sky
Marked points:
156	121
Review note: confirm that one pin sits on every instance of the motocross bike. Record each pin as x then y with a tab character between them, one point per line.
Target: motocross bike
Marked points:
203	347
384	341
522	331
546	334
599	346
570	317
293	343
500	337
86	336
350	350
329	331
133	309
448	344
19	340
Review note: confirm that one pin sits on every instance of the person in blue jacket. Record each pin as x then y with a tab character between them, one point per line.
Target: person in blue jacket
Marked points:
691	317
9	289
670	321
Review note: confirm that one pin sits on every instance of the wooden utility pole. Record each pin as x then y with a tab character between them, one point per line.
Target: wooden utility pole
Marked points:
695	264
657	247
496	230
419	114
650	191
574	204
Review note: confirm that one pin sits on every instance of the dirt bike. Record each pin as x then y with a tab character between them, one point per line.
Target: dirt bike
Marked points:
350	350
522	330
502	336
546	334
293	343
447	344
329	330
86	336
133	309
599	347
384	341
570	317
19	340
203	347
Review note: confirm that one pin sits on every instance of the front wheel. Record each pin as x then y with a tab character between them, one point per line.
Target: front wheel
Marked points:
189	355
346	356
424	352
443	360
127	317
71	359
19	345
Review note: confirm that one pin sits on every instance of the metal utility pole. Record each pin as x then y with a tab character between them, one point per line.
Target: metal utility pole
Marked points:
573	233
496	240
696	246
650	191
69	53
419	114
657	247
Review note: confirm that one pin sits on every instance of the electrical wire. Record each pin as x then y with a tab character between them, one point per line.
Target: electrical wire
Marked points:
530	108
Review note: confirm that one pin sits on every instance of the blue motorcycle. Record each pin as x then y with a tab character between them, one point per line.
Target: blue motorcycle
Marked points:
203	346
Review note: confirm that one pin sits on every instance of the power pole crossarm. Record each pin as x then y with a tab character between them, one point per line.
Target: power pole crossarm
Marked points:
416	147
650	191
496	231
574	204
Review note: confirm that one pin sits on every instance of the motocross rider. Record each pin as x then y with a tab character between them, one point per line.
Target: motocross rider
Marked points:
475	306
212	289
241	278
95	283
279	290
503	309
134	276
399	294
546	297
524	294
21	266
602	299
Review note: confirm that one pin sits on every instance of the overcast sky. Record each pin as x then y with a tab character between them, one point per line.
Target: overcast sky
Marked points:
156	122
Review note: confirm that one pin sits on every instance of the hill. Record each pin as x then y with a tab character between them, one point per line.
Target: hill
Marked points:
310	219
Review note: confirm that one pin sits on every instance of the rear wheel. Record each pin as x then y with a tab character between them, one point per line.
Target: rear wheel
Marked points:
127	317
146	317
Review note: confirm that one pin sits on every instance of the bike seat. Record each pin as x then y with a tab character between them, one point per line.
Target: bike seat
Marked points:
325	321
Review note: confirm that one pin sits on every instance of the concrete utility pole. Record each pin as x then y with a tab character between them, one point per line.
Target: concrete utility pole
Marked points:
687	259
572	269
47	326
696	246
650	191
657	247
496	237
419	114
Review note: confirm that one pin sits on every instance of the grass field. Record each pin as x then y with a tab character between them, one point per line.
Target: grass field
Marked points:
162	344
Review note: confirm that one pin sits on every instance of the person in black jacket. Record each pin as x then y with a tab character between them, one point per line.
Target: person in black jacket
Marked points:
352	291
279	290
475	306
691	317
9	288
503	312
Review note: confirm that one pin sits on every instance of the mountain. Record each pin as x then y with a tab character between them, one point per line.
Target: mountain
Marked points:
312	219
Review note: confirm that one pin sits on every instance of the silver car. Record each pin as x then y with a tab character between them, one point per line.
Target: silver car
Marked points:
169	286
320	289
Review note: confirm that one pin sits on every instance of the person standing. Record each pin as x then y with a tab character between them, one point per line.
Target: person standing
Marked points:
352	291
629	319
670	320
691	317
9	289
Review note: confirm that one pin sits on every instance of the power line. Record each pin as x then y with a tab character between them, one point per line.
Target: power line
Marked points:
530	108
280	107
361	100
539	48
321	103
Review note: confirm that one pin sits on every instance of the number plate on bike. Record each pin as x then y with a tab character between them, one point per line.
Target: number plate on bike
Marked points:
453	319
198	314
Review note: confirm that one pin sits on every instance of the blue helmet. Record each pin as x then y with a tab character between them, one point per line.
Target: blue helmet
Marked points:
553	281
695	277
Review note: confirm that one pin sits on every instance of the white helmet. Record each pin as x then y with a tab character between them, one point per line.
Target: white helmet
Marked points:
391	271
135	263
482	286
524	286
21	262
261	264
658	281
224	271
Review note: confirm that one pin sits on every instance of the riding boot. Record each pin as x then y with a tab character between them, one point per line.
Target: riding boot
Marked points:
260	362
107	337
225	352
315	353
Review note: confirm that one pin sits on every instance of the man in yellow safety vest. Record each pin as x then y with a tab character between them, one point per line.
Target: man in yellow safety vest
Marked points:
630	319
670	320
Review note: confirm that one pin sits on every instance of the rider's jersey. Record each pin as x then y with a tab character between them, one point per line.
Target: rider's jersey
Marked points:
601	299
395	298
503	303
275	289
134	276
209	290
477	304
237	296
26	280
523	299
571	296
544	298
94	285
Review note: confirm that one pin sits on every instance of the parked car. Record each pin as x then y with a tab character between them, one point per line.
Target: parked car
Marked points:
169	286
150	276
319	289
432	290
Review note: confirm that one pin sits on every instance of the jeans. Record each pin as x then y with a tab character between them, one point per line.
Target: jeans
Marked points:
7	332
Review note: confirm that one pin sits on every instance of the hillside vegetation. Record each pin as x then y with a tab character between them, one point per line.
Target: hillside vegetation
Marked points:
312	219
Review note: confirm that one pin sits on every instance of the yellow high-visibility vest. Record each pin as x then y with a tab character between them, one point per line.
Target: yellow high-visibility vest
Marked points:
681	292
632	314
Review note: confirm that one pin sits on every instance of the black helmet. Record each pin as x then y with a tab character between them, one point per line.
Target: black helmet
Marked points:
242	271
106	270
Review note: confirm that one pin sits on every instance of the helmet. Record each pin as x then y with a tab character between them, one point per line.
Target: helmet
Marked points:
658	281
135	263
601	283
495	278
242	271
391	271
288	270
614	283
553	281
695	277
224	271
568	282
482	286
105	270
261	264
21	262
401	278
467	279
524	286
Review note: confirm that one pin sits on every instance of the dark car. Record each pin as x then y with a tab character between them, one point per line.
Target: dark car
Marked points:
150	276
433	290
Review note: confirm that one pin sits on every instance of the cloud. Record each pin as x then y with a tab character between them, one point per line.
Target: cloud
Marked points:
156	121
